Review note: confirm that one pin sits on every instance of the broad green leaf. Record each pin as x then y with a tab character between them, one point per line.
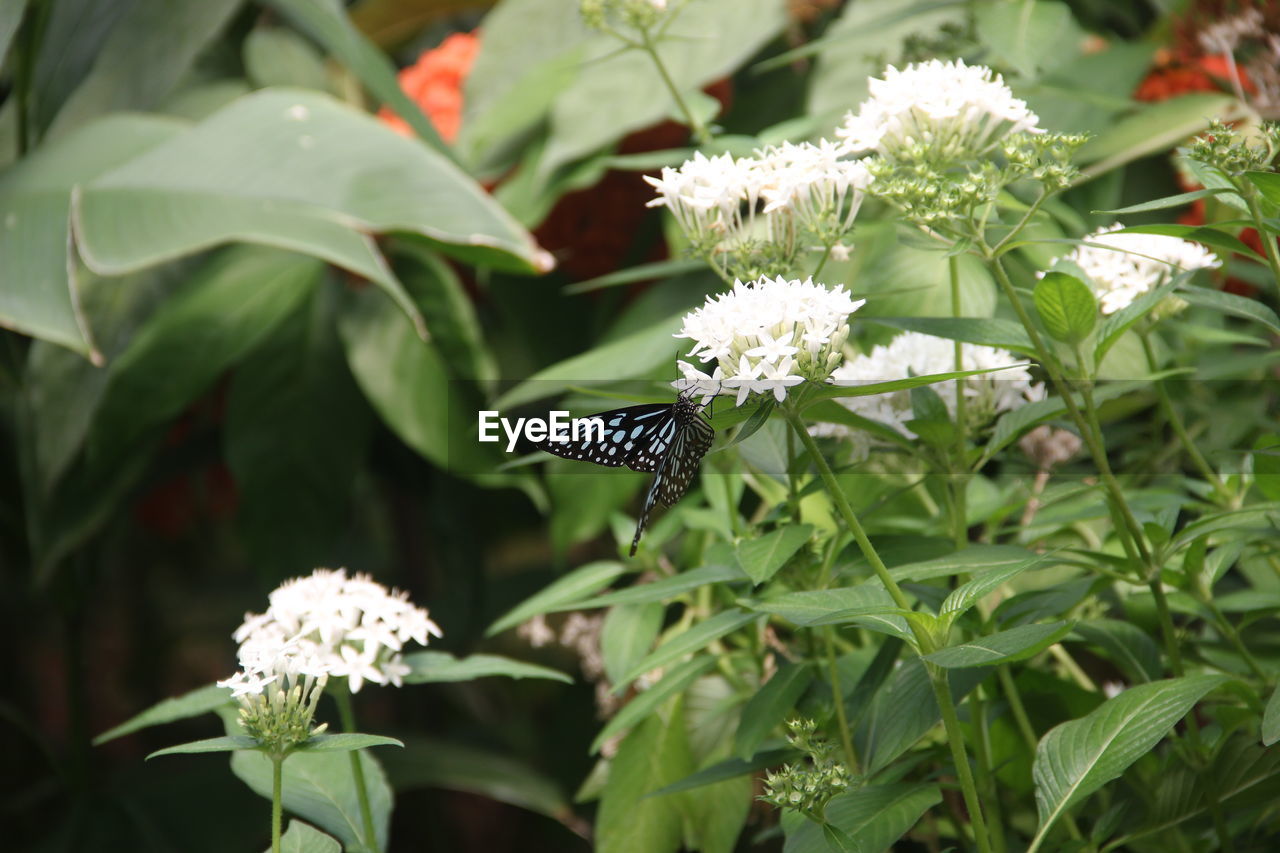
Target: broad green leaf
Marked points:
751	425
687	642
627	635
1264	513
728	769
427	762
664	589
432	667
345	742
202	700
1172	201
578	584
1268	183
1002	647
1230	303
38	289
277	56
1271	719
872	817
1030	36
987	579
149	51
344	175
1129	647
627	357
449	311
972	560
230	305
717	814
613	93
292	402
646	702
655	754
326	21
988	331
73	37
1078	757
1152	129
1115	325
1066	306
1266	468
318	786
820	607
303	838
769	706
228	743
761	557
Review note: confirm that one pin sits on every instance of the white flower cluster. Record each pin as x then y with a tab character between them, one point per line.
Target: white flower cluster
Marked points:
766	336
915	354
725	203
936	110
330	624
1132	264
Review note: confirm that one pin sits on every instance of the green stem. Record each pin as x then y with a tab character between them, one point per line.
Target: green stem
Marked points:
1180	428
1250	194
822	262
348	716
986	778
955	739
960	516
699	131
837	695
277	797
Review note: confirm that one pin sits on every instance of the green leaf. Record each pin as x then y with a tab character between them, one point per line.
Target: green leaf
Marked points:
613	93
687	642
1078	757
1066	306
38	288
1210	235
662	590
626	357
1268	183
988	331
10	17
1115	325
1129	647
432	667
345	742
1179	200
627	635
873	817
1013	424
727	769
1030	37
646	702
769	706
230	305
202	700
1266	466
228	743
277	56
761	557
1230	303
752	424
655	754
326	21
291	402
318	786
1002	647
642	272
1271	719
865	389
988	579
304	838
1152	129
149	51
580	582
827	606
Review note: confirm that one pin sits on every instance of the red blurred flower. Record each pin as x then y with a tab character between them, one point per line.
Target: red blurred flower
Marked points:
434	82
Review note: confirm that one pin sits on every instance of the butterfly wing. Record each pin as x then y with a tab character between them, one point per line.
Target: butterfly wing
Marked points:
636	436
692	440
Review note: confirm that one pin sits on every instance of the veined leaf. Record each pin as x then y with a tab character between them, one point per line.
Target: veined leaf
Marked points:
431	667
578	584
1015	644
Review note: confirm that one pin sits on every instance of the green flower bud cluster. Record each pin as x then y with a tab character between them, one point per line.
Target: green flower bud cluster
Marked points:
1226	148
281	716
807	786
606	15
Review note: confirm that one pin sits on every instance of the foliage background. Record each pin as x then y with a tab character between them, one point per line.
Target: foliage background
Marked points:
240	413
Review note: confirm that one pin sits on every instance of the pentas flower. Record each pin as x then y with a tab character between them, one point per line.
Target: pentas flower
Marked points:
1122	267
346	627
915	354
812	183
278	691
936	111
766	336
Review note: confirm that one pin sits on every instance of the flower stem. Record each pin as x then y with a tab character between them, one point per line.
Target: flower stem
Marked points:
348	716
837	696
960	516
1250	194
699	131
277	794
955	739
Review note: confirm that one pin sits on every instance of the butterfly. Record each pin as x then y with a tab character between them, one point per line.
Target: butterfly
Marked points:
667	440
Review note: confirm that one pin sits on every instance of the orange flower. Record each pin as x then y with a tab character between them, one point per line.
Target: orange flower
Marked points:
434	82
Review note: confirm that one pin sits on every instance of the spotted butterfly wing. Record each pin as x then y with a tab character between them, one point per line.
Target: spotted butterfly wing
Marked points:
692	440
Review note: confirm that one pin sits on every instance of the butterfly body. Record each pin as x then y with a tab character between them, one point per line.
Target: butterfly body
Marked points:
666	440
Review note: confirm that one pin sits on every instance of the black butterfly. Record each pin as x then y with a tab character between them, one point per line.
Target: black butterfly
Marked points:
667	440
